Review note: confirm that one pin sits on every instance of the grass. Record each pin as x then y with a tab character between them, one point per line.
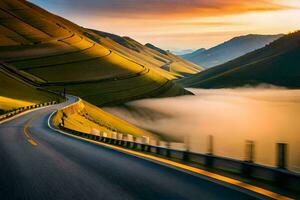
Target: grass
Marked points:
7	104
149	84
14	94
96	68
57	54
87	118
143	54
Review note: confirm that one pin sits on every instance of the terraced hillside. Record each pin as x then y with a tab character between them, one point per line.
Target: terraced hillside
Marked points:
15	93
278	63
148	54
50	52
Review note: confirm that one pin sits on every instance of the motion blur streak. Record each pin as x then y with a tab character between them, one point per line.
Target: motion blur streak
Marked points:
231	116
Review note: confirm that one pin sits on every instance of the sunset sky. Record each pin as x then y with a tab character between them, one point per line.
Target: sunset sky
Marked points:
181	24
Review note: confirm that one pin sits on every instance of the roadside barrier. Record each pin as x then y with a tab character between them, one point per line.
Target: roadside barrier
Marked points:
24	109
278	176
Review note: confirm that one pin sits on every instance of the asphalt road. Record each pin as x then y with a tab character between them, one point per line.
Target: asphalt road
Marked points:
59	167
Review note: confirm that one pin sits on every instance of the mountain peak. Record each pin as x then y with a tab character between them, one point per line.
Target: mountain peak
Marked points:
277	63
230	49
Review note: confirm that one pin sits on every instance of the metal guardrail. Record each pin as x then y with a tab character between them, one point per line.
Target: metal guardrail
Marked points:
24	109
277	176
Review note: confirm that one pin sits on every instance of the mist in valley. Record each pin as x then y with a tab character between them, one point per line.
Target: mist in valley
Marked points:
265	116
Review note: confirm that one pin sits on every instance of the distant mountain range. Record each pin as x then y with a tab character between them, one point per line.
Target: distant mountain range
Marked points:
229	50
278	63
182	52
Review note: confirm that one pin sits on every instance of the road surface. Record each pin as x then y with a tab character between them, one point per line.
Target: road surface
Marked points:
38	163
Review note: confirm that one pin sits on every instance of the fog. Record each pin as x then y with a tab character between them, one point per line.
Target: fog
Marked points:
232	116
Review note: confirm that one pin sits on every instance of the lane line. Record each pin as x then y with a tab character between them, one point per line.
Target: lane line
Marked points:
27	124
211	175
32	142
27	132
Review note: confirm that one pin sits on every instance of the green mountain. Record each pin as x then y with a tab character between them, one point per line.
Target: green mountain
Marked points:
277	63
229	50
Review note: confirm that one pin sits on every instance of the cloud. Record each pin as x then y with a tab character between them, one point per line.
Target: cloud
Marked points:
166	8
180	23
266	115
209	23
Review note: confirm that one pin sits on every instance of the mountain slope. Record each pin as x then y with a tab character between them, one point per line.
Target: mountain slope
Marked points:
54	53
278	63
15	93
229	50
148	54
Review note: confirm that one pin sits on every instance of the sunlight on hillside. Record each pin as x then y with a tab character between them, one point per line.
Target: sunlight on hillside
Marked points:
9	103
87	118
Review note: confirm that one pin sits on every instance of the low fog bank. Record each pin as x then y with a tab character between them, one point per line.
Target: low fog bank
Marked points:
232	116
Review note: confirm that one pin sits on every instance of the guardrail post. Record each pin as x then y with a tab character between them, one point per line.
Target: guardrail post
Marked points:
249	151
153	148
168	146
210	149
120	138
280	178
185	155
129	140
281	155
108	140
145	143
134	145
210	152
249	158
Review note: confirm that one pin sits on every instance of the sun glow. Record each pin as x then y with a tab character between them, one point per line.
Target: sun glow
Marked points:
172	24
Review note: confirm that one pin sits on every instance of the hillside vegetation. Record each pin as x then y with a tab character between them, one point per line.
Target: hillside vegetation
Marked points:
277	63
87	118
15	93
148	54
47	51
230	49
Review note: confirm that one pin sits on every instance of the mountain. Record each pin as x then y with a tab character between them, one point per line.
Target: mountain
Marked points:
182	52
48	52
229	50
278	63
16	93
148	54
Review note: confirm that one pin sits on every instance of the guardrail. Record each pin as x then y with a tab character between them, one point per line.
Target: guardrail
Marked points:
277	176
24	109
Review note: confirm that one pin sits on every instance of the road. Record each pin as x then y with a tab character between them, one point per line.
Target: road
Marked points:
38	163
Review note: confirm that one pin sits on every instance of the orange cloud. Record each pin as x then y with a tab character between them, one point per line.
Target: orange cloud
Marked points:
181	23
166	8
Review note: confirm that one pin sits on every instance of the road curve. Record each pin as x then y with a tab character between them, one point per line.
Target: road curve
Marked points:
38	163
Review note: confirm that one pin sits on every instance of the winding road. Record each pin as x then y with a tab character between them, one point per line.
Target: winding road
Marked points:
39	163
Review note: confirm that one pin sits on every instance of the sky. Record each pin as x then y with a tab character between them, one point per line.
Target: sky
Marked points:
180	24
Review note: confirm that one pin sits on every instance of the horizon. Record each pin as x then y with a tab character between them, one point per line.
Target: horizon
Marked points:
194	24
